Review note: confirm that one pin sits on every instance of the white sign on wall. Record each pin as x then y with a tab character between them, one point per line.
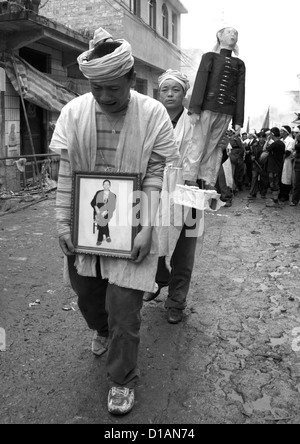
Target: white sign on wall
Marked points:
12	137
2	340
2	80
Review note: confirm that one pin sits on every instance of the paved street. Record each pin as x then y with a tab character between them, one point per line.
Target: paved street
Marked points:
235	359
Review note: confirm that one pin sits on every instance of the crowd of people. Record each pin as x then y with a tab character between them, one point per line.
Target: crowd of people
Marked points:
259	162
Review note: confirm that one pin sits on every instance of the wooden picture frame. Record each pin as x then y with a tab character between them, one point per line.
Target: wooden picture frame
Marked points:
105	213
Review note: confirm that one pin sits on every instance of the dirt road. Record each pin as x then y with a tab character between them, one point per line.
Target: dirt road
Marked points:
234	359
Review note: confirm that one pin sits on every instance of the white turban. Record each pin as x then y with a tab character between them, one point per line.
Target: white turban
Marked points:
179	77
109	67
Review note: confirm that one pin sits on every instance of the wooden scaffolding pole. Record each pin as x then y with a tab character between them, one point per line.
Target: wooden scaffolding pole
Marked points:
28	127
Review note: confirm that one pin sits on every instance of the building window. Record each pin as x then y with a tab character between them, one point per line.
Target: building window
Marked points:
152	13
135	7
174	29
141	86
165	21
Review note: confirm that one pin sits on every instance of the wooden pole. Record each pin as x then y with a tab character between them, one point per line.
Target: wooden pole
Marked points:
2	125
28	127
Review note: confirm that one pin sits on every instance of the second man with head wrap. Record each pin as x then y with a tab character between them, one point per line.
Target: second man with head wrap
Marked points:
179	240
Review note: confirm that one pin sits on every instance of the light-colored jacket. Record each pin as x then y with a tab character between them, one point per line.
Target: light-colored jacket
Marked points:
147	128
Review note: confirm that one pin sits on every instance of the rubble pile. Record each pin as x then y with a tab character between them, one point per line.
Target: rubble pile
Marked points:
13	201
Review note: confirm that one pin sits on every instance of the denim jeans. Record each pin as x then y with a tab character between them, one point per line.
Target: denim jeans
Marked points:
274	179
223	188
182	264
296	188
260	182
115	312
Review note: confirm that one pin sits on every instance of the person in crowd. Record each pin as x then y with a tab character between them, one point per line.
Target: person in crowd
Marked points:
244	137
173	87
225	183
217	99
276	150
251	144
260	178
287	171
295	131
114	129
237	156
296	183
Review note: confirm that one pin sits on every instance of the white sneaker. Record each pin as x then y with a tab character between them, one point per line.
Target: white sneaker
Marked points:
99	345
120	400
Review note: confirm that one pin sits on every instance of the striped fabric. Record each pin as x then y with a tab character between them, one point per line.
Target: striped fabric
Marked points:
37	87
63	196
108	133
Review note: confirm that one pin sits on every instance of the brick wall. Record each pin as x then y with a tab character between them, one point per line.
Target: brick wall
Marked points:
86	15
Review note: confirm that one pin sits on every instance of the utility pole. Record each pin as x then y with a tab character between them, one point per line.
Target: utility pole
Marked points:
2	112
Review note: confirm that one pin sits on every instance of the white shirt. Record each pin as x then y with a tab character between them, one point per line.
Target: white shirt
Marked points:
289	144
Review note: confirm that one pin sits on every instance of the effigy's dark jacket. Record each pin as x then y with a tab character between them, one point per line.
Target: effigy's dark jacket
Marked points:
220	86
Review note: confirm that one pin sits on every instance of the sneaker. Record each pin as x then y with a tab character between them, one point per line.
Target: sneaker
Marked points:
251	196
108	239
273	204
293	204
174	315
99	345
120	400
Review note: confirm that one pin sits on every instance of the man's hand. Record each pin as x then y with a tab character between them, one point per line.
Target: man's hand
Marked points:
142	245
105	213
194	118
66	245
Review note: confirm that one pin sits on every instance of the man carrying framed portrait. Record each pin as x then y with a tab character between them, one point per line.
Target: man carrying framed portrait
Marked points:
113	129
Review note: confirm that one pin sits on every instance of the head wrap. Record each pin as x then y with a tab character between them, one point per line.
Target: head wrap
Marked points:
286	128
275	131
178	76
109	67
217	46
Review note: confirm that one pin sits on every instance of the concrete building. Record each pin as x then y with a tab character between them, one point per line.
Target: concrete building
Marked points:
153	28
49	40
45	53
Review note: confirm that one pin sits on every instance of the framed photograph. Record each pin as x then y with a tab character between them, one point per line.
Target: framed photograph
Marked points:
105	213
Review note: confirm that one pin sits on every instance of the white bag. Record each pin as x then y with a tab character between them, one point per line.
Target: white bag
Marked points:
227	167
193	197
287	172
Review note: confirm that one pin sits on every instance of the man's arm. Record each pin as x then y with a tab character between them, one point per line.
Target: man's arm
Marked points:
63	205
149	206
111	205
238	118
199	89
94	201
